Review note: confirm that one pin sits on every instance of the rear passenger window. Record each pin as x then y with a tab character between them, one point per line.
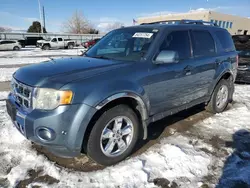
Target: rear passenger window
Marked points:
7	42
60	39
179	42
225	40
203	44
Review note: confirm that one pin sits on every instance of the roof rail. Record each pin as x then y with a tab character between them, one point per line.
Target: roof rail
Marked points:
198	22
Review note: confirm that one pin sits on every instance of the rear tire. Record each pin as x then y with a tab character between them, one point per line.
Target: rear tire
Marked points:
220	97
70	46
16	48
109	130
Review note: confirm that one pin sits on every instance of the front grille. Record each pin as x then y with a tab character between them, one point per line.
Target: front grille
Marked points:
22	94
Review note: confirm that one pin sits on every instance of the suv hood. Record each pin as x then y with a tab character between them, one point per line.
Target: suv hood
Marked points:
56	73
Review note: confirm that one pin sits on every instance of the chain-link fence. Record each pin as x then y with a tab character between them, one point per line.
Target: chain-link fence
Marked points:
78	38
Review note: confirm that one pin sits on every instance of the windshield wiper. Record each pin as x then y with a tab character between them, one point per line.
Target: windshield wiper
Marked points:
102	57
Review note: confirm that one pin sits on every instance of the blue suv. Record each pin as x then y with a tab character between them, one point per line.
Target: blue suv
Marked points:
102	103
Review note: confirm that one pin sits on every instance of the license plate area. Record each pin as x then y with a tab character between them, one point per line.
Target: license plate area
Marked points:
11	109
17	117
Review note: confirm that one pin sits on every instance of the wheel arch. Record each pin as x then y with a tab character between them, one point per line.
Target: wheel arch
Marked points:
134	101
126	95
44	44
225	75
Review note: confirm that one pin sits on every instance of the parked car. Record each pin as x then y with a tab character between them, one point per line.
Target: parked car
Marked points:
102	103
10	45
243	74
56	43
90	43
30	41
241	38
242	44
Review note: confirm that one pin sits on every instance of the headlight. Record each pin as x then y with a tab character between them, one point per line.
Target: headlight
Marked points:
49	99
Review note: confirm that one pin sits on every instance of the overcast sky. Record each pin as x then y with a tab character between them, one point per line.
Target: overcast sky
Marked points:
19	14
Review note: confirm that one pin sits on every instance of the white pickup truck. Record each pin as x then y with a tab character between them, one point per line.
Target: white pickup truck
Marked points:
56	43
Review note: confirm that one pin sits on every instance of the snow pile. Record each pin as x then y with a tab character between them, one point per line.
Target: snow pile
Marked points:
3	95
164	160
6	74
37	52
179	158
17	61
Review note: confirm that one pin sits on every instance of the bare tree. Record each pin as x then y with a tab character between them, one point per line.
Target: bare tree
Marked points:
77	24
115	25
5	29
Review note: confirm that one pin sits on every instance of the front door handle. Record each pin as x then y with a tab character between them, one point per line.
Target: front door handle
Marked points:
187	70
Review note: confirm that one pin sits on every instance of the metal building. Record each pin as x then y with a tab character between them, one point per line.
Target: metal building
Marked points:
234	24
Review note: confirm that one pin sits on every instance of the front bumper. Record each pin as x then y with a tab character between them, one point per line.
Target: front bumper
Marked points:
39	45
66	126
243	76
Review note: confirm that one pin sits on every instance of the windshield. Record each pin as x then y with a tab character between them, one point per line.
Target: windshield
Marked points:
244	54
127	44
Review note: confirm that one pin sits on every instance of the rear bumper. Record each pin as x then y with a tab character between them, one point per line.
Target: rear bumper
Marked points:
61	130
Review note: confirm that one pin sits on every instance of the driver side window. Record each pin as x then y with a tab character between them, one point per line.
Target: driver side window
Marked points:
178	41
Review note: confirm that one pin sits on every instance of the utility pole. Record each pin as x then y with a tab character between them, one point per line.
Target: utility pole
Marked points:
44	18
40	16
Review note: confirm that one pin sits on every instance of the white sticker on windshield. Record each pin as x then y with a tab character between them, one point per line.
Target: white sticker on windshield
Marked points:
143	35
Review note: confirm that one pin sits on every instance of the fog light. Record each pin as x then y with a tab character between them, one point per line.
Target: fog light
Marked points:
46	134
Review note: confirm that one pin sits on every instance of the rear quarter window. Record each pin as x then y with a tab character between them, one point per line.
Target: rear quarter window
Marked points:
203	43
225	40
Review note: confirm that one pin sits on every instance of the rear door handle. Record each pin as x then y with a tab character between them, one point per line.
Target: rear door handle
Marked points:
230	59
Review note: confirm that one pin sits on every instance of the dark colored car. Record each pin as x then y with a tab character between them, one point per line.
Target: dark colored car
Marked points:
30	41
90	43
243	74
102	103
242	44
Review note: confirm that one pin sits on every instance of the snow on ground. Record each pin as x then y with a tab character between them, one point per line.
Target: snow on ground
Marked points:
17	61
185	159
32	52
3	95
6	74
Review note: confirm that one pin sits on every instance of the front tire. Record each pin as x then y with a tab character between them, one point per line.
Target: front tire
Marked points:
46	47
16	48
70	46
113	136
220	97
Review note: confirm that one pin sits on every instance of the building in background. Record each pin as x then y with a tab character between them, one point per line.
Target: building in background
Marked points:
234	24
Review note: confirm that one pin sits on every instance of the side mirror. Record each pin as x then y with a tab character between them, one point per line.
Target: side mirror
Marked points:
167	56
